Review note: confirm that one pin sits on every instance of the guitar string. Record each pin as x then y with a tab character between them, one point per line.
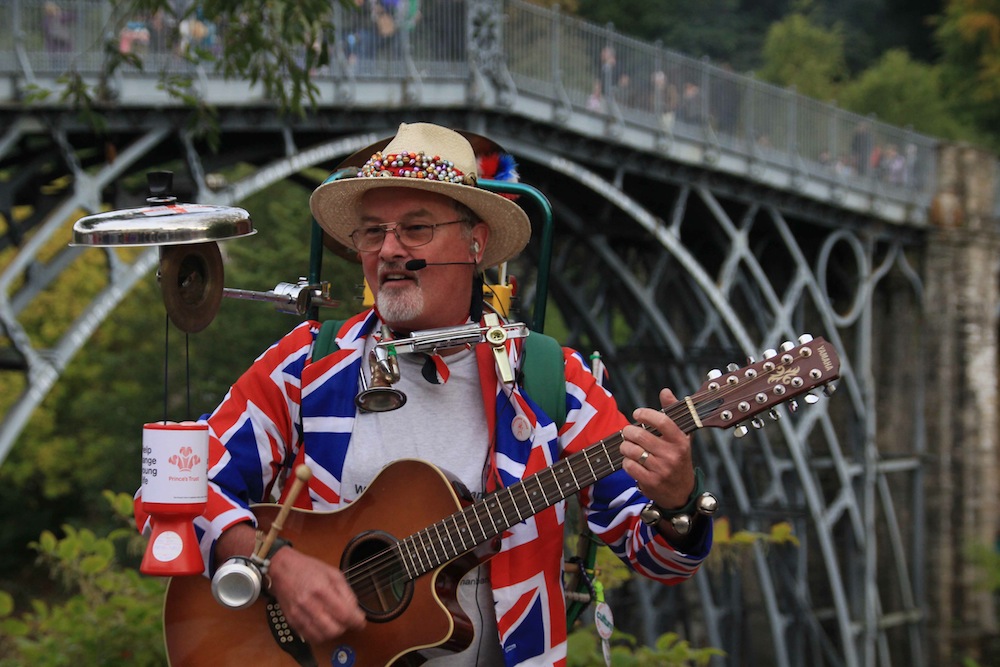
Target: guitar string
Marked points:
371	570
386	560
683	418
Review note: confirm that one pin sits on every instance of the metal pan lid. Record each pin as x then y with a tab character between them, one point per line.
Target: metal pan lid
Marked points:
169	223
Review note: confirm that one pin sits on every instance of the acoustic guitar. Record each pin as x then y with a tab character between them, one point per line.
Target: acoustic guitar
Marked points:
408	539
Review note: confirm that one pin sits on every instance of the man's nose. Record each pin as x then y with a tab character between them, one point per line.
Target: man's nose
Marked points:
391	246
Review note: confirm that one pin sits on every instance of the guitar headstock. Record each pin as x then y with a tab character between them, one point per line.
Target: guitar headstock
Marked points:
729	399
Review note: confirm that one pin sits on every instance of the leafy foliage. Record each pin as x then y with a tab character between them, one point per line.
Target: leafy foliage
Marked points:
987	559
906	93
803	54
725	30
626	651
731	549
670	651
273	43
111	614
85	435
968	34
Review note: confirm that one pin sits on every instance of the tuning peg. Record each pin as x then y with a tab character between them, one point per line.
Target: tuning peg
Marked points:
811	398
774	414
714	374
757	423
805	338
732	368
740	431
787	346
829	388
793	405
770	352
750	361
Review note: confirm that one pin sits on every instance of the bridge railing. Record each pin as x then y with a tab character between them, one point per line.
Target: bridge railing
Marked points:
589	68
599	70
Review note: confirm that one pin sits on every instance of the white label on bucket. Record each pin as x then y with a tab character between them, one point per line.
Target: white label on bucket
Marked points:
175	463
167	546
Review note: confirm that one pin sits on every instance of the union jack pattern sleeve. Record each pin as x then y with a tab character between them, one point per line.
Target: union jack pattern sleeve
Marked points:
613	503
251	433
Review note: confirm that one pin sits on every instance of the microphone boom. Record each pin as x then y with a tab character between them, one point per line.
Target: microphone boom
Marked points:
418	264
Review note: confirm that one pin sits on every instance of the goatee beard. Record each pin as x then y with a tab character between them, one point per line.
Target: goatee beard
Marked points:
400	305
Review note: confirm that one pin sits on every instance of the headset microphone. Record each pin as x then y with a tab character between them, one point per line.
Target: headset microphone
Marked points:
417	264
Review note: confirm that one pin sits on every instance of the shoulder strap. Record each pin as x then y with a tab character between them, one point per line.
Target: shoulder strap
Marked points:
326	339
545	375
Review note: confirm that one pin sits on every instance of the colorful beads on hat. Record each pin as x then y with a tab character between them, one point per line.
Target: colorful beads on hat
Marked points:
412	165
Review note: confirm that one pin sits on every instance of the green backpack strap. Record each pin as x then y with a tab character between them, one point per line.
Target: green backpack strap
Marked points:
544	372
545	375
326	339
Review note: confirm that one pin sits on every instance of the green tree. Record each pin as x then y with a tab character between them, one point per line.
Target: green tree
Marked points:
274	43
85	435
968	33
903	92
803	54
728	31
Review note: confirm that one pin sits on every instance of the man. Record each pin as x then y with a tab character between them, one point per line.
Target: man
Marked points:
416	200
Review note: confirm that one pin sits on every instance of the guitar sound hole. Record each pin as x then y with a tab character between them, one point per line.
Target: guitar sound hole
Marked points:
377	576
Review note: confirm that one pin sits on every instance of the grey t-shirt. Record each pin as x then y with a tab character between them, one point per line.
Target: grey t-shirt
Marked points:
443	424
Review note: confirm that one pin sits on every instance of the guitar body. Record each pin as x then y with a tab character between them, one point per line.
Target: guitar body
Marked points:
404	498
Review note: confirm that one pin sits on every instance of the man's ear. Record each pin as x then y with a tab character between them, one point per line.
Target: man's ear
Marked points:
480	234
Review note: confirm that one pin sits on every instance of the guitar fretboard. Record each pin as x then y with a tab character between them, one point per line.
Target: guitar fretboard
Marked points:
480	522
725	400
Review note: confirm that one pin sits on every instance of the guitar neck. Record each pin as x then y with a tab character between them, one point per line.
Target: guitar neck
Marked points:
725	400
480	522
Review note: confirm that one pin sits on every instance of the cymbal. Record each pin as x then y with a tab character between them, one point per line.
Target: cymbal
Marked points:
191	281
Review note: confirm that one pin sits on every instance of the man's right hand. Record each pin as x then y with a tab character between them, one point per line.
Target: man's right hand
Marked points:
314	595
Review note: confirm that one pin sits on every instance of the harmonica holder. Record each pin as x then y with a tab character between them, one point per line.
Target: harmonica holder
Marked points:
378	395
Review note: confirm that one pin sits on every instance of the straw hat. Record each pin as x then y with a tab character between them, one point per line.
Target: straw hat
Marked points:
423	156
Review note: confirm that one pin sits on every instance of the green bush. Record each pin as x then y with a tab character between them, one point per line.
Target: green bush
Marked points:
110	615
670	651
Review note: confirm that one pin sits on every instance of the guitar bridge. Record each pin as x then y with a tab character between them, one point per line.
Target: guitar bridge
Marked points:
286	638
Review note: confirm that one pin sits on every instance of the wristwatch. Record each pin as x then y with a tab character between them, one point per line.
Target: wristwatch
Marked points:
682	518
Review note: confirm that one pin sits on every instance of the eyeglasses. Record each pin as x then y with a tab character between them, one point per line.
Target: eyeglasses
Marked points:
410	235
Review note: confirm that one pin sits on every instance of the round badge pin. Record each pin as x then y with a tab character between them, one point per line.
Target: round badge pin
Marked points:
520	426
343	656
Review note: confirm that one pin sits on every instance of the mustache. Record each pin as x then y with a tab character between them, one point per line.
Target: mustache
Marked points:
386	268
